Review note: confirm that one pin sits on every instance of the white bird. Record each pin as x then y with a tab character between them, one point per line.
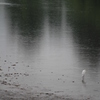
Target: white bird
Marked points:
83	75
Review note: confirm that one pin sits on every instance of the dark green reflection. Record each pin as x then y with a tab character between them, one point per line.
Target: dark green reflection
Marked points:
55	12
84	17
27	16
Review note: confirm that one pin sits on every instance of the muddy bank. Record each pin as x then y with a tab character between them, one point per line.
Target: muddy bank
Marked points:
22	81
25	95
35	84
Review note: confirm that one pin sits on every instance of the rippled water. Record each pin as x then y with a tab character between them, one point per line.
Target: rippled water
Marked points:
45	45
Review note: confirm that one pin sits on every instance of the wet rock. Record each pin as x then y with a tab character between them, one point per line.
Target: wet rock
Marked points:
0	69
46	93
16	85
26	74
22	88
4	82
9	84
7	75
28	66
5	78
5	90
10	74
13	64
37	95
59	79
73	81
49	94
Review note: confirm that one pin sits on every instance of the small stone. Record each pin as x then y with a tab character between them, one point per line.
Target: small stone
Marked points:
5	78
73	81
14	65
17	85
46	93
4	82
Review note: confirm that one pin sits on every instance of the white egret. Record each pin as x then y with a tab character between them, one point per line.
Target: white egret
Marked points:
83	75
